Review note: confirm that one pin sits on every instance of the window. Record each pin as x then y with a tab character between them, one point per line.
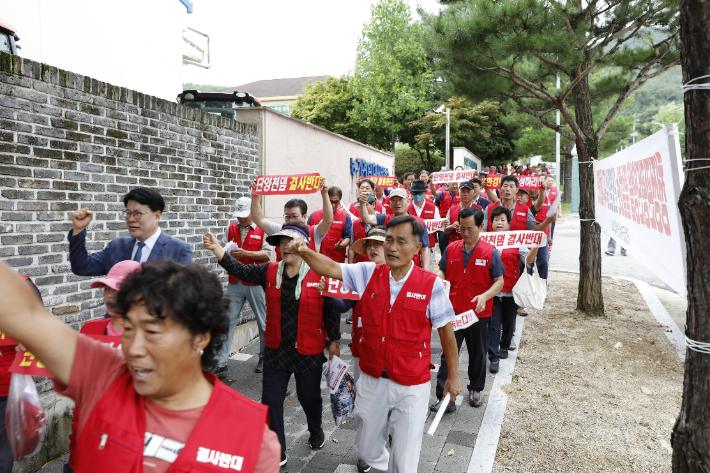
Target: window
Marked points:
5	43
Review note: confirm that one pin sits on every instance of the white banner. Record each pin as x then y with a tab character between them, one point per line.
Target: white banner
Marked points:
453	176
464	319
635	201
434	225
516	239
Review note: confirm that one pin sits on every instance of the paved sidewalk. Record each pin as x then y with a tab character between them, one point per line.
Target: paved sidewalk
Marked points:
457	431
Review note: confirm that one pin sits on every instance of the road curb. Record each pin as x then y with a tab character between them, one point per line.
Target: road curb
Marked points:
484	452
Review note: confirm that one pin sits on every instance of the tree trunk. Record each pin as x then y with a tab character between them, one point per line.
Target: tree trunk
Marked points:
589	296
567	176
691	433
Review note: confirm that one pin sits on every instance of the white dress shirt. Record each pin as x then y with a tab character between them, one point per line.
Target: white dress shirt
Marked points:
149	244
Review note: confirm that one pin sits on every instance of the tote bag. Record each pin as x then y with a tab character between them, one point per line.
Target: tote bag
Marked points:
531	290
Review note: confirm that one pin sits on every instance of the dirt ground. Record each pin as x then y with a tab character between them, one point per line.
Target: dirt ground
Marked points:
591	393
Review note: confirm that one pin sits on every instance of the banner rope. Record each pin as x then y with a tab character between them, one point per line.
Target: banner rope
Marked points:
706	86
700	347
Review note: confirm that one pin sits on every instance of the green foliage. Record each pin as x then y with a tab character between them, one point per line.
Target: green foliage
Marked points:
408	159
205	87
328	105
392	82
476	127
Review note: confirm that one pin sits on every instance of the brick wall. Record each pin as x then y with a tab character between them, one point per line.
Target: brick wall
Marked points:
69	141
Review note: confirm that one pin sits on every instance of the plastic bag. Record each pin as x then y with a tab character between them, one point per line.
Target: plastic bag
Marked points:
530	291
341	387
24	417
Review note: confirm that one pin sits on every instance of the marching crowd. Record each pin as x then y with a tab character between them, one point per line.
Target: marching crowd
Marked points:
158	405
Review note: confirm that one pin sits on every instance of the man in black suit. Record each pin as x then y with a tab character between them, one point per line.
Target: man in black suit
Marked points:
146	243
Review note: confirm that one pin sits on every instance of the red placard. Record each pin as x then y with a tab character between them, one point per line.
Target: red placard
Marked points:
293	184
26	363
335	290
524	182
382	181
5	340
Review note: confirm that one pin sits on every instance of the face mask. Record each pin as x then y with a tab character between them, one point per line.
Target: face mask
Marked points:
417	197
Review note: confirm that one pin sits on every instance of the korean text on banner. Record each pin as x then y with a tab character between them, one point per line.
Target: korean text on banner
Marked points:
382	181
293	184
335	290
452	176
516	239
464	319
5	340
434	225
635	195
524	182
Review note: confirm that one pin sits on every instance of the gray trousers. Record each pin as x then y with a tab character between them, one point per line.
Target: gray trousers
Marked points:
238	294
611	247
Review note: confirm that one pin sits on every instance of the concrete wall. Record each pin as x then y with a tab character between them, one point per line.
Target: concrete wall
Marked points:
292	146
68	142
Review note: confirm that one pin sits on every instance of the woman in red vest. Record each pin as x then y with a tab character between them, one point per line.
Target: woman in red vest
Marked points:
152	408
504	307
296	325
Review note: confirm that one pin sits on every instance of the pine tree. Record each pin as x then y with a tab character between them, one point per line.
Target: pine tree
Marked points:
515	48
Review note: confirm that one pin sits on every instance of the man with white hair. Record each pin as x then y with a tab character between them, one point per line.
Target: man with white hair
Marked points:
247	243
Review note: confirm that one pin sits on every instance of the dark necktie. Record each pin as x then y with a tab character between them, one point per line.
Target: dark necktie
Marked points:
139	253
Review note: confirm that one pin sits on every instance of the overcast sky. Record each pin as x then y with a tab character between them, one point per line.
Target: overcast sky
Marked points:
254	40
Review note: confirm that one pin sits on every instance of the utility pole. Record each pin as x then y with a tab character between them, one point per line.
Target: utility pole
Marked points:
448	118
557	144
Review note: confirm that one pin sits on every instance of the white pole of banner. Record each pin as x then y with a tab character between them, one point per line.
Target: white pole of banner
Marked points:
678	177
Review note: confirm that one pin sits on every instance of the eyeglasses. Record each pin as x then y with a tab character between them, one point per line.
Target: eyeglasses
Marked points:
135	214
288	217
335	202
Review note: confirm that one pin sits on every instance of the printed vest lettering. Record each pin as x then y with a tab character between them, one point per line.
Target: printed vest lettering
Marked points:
113	438
472	280
397	337
428	212
252	242
310	339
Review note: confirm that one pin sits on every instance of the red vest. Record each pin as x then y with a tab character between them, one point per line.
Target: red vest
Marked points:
454	217
510	260
428	194
252	242
542	214
386	205
356	210
417	258
357	331
447	201
519	217
311	243
95	327
334	235
428	212
359	233
397	336
310	339
472	280
114	436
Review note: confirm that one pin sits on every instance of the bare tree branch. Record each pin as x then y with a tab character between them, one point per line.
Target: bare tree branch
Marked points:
541	118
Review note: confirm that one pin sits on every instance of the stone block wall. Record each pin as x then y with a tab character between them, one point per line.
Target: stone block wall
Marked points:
69	141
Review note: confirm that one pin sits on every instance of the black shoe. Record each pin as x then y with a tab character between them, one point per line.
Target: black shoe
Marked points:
450	408
503	353
363	467
495	365
349	320
259	366
221	370
283	459
317	439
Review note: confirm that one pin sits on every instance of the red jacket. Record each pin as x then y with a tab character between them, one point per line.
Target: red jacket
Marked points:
386	205
311	242
472	280
359	233
519	217
310	339
454	217
357	330
114	436
252	242
428	212
334	235
446	202
397	336
542	214
510	258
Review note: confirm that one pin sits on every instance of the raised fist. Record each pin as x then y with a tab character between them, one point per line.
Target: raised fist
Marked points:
298	247
323	186
81	219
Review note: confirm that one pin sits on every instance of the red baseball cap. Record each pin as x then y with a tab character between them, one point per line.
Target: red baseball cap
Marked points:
117	274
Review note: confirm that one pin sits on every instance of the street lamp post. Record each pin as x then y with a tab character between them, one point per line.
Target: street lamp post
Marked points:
448	119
